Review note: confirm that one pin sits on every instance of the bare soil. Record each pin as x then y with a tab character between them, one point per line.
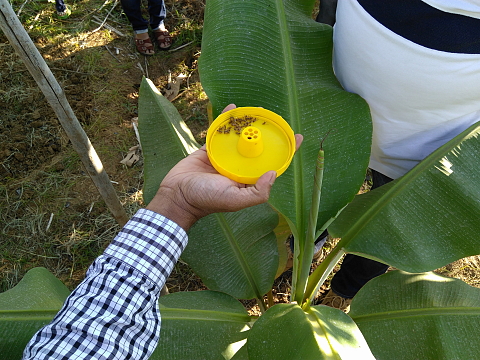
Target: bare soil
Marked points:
41	176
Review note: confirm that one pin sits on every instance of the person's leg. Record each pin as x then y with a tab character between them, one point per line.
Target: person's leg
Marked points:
157	11
60	6
132	8
356	271
63	11
327	12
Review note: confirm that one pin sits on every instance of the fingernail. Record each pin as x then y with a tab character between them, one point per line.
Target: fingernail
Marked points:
273	177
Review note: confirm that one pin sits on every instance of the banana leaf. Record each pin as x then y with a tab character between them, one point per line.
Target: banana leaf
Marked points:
202	325
235	253
286	332
427	218
28	306
241	250
271	53
419	316
164	136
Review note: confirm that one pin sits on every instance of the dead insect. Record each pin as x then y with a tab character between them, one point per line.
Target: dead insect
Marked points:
222	129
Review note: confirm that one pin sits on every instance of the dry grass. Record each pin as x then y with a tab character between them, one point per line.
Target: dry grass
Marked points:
51	215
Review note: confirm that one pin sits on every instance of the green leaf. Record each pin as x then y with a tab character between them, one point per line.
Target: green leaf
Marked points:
419	316
24	309
271	53
165	137
286	332
201	325
425	219
282	232
235	253
241	250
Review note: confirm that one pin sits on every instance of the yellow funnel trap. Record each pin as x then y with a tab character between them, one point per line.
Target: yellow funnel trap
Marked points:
246	142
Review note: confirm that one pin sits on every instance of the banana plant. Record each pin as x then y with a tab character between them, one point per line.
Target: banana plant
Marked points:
270	53
436	196
24	309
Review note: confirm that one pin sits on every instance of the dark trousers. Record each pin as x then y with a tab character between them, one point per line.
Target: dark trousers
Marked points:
156	10
60	5
356	271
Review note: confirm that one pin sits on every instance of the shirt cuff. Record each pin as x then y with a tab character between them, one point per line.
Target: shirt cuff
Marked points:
149	243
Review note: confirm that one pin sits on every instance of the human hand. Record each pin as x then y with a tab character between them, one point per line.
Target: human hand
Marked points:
193	189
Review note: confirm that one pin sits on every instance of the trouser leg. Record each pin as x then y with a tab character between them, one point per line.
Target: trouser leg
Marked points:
132	8
157	11
327	12
60	5
356	271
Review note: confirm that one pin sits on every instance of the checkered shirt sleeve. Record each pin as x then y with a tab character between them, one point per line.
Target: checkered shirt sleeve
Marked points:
113	313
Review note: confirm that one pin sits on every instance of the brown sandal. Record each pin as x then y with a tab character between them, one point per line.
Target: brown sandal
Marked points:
164	40
144	46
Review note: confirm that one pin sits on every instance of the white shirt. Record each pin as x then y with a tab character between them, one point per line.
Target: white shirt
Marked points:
419	98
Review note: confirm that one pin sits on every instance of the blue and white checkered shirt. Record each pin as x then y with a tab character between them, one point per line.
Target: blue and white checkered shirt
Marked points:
113	313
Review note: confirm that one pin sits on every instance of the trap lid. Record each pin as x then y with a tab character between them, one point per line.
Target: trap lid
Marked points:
246	142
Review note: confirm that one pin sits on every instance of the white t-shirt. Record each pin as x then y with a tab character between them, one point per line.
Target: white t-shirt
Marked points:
419	98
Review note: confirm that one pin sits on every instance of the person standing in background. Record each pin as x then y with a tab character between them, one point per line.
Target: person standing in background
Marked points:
417	65
63	11
157	12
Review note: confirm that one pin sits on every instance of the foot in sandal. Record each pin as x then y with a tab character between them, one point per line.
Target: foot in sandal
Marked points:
144	44
164	40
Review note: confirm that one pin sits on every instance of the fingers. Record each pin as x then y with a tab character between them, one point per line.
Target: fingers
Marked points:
264	184
298	141
250	195
229	107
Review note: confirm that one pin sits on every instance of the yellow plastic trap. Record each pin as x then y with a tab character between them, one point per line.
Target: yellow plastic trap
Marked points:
246	142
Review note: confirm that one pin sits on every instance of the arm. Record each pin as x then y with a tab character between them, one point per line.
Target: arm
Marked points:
114	312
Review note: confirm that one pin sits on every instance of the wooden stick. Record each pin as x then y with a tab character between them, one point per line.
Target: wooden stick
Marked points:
106	47
23	45
72	71
146	67
181	46
106	17
107	26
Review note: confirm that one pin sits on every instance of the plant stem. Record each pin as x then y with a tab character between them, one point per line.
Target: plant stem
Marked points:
271	302
321	272
308	244
262	305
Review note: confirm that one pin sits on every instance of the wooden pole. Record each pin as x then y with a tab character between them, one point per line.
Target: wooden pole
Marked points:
36	65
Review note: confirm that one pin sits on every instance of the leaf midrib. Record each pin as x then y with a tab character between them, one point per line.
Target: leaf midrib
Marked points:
410	313
158	98
403	181
27	315
202	315
238	253
314	319
293	108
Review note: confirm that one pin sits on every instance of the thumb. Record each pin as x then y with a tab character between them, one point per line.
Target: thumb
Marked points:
264	184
